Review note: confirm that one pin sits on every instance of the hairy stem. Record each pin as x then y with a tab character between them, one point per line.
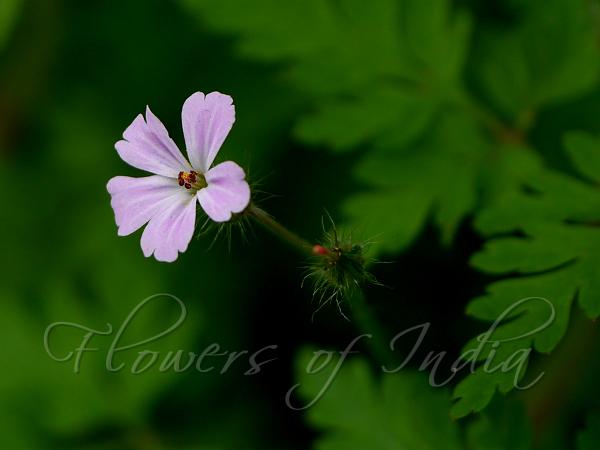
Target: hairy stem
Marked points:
267	221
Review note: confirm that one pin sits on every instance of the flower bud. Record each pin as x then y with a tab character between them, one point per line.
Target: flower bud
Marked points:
338	266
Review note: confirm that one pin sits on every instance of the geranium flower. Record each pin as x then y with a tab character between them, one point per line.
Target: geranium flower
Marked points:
166	201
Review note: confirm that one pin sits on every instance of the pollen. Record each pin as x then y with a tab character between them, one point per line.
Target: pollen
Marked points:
191	180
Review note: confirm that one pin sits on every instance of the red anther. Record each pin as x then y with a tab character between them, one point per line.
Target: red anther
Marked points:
181	182
188	185
320	250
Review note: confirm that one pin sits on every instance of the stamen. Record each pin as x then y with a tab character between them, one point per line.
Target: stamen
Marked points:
191	180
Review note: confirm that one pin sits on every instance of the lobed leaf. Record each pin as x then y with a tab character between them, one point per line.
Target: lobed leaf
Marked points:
548	56
557	260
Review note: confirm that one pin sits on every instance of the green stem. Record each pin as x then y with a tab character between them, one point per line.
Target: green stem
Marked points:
267	221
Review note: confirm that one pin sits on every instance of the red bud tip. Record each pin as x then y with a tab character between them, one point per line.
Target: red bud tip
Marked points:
320	250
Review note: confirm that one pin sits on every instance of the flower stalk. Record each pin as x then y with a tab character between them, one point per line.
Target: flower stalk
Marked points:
337	266
267	222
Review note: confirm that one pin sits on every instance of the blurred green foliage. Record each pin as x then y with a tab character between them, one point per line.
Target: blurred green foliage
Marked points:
400	410
9	11
425	126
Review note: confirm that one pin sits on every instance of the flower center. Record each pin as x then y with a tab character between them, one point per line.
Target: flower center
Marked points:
192	180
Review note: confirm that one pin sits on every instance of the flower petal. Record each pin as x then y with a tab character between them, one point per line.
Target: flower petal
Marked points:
136	200
227	191
171	230
206	123
147	146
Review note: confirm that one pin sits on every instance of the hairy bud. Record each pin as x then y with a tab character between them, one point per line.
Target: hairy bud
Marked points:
338	266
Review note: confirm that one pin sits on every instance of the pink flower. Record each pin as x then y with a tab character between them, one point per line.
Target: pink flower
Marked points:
166	201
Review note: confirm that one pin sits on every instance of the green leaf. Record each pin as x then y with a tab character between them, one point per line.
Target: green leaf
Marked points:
551	55
350	43
405	187
445	175
358	412
504	427
372	72
347	123
557	259
584	151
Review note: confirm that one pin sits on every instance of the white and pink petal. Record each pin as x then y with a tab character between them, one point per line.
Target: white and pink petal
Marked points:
136	200
227	192
148	146
170	231
206	120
